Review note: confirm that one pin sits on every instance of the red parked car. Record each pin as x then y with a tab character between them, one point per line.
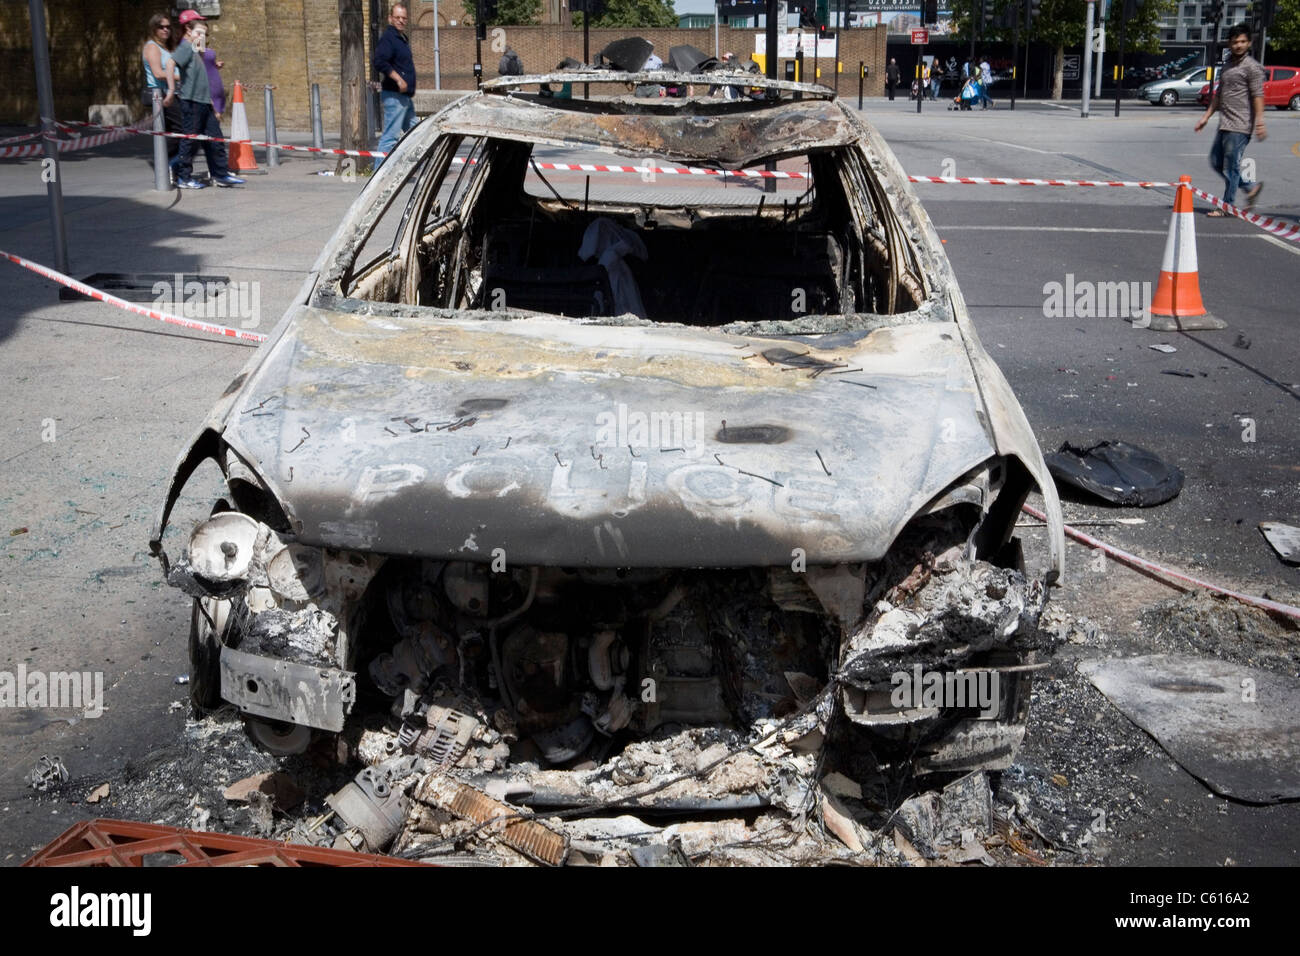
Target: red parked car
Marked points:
1281	88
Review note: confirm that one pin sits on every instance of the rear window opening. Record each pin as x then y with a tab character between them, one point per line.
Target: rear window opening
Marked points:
513	227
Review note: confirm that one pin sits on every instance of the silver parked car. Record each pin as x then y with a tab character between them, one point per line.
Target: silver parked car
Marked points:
609	458
1180	89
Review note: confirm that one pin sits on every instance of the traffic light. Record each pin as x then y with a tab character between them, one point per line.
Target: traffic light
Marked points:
1130	9
1032	9
986	12
823	13
1212	12
807	18
929	11
1008	17
1265	10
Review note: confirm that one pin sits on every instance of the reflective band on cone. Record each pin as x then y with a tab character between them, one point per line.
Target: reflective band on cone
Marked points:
241	152
1177	303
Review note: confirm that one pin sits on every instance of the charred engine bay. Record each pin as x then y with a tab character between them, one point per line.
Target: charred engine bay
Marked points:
646	716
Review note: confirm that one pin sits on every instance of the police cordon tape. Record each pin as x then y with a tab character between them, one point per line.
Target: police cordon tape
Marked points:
991	181
209	327
67	145
368	153
1283	230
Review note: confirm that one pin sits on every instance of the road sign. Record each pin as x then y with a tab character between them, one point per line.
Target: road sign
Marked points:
920	37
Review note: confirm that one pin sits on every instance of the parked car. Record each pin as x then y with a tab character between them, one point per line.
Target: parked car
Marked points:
609	460
1281	88
1178	89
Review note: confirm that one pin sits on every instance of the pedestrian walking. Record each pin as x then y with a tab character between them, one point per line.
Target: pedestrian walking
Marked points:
395	64
986	80
892	76
936	79
196	107
925	80
160	74
1239	100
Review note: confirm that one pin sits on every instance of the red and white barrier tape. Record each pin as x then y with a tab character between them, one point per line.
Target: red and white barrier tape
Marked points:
1283	230
20	139
989	181
369	153
69	145
1133	560
94	293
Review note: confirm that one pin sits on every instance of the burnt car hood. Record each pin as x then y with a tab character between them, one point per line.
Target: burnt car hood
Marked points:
566	443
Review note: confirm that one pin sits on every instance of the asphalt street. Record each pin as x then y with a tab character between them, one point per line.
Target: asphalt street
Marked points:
98	402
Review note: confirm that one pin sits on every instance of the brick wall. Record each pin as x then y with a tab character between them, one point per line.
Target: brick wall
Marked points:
542	47
95	54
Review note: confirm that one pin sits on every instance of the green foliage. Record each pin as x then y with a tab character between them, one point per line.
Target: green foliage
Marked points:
1284	34
510	13
1060	22
1142	32
633	13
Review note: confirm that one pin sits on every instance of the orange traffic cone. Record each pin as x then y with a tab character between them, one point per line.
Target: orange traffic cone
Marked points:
241	151
1177	304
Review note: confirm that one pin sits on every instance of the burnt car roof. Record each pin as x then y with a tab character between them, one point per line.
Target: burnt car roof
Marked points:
730	133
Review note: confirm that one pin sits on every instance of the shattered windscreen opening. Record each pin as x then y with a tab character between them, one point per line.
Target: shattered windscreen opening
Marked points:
518	227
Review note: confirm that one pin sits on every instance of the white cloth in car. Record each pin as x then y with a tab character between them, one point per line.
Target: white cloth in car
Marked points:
609	243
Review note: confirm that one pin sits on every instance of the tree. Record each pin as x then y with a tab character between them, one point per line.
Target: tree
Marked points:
509	13
633	13
1142	31
1284	34
1060	24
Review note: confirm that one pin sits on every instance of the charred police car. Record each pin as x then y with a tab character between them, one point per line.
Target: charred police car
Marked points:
607	417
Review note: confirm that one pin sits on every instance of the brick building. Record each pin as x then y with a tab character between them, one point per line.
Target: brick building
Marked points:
95	52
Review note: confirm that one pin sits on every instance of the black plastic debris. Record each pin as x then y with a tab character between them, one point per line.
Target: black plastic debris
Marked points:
1117	472
628	54
689	59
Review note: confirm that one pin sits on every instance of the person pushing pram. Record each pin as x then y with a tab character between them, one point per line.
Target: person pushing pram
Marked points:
972	90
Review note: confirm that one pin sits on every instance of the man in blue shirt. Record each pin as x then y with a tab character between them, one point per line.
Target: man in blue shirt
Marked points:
394	62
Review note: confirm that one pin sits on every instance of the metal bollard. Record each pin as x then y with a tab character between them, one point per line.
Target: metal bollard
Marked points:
370	116
317	135
272	154
161	171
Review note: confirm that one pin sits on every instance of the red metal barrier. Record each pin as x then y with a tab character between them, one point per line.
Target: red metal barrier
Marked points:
123	843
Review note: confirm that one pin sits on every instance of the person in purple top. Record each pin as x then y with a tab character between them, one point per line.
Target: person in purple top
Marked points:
213	66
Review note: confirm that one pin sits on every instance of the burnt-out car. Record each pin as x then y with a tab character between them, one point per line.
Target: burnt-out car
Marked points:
598	419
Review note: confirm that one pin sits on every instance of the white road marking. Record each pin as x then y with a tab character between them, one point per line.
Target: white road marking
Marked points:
1132	232
1135	232
1290	247
1030	149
